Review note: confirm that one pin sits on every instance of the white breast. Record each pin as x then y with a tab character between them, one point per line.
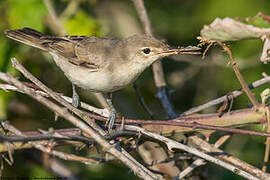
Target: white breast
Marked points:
85	78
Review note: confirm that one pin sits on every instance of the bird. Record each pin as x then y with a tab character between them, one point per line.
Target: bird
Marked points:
99	64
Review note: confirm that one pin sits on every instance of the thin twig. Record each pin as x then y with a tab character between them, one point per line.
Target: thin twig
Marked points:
141	100
48	149
266	154
222	140
83	105
267	142
69	10
205	146
71	136
67	134
191	167
182	156
58	25
235	94
239	76
141	10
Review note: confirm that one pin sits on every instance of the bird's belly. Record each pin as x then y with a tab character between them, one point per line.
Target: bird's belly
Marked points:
93	81
97	81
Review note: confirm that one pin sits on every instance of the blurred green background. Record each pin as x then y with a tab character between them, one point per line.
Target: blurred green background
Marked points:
193	81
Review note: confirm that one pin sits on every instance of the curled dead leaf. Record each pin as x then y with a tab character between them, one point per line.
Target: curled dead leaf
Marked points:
228	29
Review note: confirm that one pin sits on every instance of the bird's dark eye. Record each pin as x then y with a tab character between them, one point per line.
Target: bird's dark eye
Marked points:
146	50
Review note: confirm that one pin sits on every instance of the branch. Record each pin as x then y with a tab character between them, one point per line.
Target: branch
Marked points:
83	105
232	62
220	100
47	149
21	142
239	76
57	25
139	4
71	134
157	66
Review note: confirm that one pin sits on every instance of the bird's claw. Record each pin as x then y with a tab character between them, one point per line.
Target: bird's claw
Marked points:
75	100
75	97
110	120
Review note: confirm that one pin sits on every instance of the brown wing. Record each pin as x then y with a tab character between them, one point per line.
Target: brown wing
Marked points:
67	47
95	50
85	51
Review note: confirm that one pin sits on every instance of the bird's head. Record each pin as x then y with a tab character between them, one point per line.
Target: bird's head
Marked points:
143	49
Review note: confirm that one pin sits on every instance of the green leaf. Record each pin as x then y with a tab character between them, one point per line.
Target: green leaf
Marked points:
26	14
82	24
259	22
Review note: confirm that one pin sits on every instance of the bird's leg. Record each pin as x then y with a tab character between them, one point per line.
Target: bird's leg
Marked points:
111	118
75	97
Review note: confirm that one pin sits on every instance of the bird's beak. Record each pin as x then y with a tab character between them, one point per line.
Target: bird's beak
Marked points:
181	50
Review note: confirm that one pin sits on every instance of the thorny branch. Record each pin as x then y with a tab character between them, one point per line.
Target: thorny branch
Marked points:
47	148
20	86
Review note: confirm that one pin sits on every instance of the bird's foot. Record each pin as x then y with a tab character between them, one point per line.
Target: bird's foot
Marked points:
75	97
110	120
75	100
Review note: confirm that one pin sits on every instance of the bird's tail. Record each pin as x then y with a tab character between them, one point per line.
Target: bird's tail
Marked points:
27	36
